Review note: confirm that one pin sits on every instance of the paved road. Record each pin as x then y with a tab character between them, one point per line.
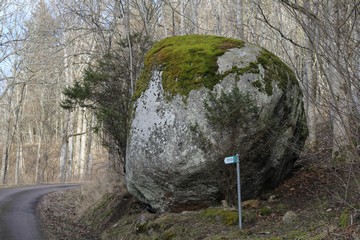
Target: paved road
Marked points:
18	220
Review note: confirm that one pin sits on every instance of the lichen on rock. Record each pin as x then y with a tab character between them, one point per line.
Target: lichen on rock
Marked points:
175	153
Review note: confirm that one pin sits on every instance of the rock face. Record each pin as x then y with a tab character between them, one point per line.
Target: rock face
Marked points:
202	98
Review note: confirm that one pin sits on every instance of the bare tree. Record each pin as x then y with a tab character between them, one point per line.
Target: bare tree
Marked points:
12	84
331	30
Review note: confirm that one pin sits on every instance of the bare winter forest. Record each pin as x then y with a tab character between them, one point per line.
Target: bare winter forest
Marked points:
47	134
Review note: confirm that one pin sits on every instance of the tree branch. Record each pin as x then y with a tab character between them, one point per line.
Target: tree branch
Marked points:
266	20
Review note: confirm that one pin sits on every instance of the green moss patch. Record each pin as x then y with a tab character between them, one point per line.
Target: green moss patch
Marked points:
226	217
275	70
265	211
188	62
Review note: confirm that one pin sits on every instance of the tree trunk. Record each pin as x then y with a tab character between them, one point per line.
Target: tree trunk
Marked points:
70	154
19	161
310	98
63	158
310	77
4	165
239	19
38	178
337	82
162	18
253	35
194	16
182	17
64	149
216	11
82	144
128	36
88	145
11	128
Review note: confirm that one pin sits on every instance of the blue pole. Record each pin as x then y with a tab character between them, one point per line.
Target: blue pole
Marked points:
239	189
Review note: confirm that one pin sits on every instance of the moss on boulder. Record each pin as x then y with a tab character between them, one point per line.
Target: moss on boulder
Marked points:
188	62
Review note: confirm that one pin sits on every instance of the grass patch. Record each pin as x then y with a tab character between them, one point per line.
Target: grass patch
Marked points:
101	212
229	218
266	211
344	220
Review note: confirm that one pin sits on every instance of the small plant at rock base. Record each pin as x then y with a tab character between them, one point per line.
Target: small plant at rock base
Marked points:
344	220
265	211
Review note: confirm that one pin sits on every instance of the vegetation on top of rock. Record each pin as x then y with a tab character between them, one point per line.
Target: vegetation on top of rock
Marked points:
188	62
275	71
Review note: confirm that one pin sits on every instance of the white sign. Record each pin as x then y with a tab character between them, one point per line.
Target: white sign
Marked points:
231	159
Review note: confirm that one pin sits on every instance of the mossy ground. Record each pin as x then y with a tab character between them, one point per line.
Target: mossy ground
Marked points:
188	62
306	193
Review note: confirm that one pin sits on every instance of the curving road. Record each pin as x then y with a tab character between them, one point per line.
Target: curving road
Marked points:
18	220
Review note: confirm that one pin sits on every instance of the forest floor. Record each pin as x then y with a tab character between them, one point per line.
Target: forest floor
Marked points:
318	201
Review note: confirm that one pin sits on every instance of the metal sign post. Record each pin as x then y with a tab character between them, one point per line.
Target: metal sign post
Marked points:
239	190
230	160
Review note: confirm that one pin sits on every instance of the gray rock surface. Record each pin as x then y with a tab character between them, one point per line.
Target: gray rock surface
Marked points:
289	217
175	156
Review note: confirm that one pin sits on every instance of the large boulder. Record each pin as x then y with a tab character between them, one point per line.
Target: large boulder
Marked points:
200	99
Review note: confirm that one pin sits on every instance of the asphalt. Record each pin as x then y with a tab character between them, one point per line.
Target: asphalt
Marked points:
18	219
